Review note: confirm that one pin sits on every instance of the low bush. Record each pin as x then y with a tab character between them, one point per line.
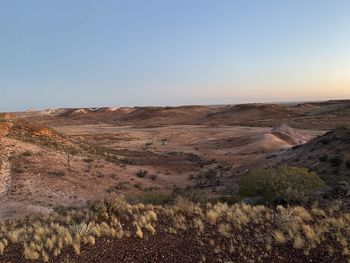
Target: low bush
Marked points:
206	178
88	160
242	232
27	153
59	173
141	173
291	185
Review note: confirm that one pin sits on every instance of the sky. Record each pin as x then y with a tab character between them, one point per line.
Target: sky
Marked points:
83	53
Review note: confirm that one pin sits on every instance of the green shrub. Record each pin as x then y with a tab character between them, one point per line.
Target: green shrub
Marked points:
58	173
141	173
27	153
88	160
280	185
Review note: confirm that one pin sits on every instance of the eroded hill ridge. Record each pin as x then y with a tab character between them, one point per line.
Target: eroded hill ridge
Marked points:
290	135
310	115
328	155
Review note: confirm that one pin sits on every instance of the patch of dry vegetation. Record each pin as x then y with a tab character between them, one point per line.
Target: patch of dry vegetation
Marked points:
241	230
281	185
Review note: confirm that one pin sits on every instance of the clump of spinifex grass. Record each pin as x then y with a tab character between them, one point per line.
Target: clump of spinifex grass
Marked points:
240	231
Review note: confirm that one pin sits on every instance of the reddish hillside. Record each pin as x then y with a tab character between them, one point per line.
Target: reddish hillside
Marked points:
73	112
312	115
165	115
326	108
328	155
7	116
289	135
245	113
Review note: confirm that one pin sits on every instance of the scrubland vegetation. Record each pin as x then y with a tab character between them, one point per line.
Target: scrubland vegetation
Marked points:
228	232
282	185
176	201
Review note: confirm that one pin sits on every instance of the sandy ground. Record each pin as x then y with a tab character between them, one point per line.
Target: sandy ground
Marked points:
180	137
225	143
42	179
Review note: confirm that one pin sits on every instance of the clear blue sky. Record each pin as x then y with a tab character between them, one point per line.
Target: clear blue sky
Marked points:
65	53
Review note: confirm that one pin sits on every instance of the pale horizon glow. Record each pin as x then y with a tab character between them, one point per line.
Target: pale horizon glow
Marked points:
87	53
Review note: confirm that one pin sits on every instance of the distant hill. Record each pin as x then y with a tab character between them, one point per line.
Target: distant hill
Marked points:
326	108
165	115
246	113
7	116
310	115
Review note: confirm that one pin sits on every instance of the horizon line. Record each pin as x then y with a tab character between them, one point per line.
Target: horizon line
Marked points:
278	102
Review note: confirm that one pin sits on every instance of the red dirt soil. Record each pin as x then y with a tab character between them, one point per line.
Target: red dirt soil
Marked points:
164	247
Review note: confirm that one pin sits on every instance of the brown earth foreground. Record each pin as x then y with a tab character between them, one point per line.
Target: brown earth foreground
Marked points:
164	247
115	231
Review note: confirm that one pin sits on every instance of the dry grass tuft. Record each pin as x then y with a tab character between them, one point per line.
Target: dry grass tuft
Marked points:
242	231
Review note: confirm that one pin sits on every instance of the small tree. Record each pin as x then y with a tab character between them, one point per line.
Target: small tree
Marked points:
69	154
280	185
206	178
